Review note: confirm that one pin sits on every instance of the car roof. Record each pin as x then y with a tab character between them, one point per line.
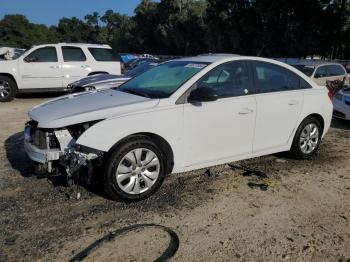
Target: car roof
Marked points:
314	63
83	44
74	44
210	58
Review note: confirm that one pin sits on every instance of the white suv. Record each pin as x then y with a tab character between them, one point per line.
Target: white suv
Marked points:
47	68
182	115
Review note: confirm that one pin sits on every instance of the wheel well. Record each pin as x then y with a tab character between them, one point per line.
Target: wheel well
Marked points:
319	118
10	76
97	72
160	141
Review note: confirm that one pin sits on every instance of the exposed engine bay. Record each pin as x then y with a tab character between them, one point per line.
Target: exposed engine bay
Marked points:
58	150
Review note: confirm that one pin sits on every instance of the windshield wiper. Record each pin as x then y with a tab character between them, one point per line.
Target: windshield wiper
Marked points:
138	93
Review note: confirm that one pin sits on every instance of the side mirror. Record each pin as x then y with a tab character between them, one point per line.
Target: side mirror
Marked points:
203	94
29	59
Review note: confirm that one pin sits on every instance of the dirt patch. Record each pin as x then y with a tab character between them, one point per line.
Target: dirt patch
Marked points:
302	214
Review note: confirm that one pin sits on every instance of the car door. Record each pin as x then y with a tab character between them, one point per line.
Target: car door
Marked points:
40	69
224	128
279	102
74	65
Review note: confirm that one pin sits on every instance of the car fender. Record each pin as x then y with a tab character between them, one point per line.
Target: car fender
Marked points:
10	67
164	122
317	102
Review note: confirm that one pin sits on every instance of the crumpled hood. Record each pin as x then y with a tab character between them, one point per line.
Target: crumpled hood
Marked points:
88	106
96	79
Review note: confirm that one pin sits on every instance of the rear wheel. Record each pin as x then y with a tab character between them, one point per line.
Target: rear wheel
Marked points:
307	139
8	89
135	170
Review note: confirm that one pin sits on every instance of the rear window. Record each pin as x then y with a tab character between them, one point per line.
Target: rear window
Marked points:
104	54
73	54
335	70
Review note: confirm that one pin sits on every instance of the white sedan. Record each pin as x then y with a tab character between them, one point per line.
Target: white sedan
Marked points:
182	115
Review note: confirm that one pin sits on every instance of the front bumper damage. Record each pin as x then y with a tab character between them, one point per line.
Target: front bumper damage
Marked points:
55	150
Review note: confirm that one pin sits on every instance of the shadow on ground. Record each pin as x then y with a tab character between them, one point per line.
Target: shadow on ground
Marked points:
16	155
39	95
170	193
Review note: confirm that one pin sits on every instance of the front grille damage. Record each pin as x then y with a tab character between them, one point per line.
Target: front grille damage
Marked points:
72	156
42	138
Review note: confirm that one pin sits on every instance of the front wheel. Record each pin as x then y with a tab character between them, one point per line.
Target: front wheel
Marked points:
135	170
307	139
8	89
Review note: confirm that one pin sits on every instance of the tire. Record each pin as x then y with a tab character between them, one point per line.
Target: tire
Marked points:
8	89
122	181
306	145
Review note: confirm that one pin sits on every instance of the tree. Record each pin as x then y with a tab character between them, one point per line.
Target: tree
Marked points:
272	28
118	30
171	26
17	31
146	21
93	28
72	30
233	26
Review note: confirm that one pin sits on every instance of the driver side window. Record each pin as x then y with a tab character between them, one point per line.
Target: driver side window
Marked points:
227	80
44	54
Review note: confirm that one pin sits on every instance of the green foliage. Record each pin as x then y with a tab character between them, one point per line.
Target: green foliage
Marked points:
273	28
17	31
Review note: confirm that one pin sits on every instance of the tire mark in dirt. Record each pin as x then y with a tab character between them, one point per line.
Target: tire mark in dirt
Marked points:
168	253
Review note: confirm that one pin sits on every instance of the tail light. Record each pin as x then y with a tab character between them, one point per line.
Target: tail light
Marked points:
122	68
330	95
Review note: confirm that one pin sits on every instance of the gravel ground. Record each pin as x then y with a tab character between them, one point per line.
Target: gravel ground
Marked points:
304	215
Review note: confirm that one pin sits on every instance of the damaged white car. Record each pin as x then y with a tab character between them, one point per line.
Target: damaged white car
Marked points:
9	53
182	115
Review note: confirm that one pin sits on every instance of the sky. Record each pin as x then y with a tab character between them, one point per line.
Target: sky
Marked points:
50	11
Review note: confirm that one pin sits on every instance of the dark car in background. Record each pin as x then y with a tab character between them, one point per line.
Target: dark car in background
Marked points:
104	81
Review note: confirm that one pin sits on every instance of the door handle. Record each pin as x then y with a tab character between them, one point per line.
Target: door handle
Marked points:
293	102
85	66
55	67
246	111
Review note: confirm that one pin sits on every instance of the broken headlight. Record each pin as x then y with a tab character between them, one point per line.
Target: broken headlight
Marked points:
78	129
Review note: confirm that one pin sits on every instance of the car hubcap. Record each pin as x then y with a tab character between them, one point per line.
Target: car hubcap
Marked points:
138	171
4	89
309	138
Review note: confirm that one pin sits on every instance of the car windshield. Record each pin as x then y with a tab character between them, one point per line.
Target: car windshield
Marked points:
163	80
307	70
